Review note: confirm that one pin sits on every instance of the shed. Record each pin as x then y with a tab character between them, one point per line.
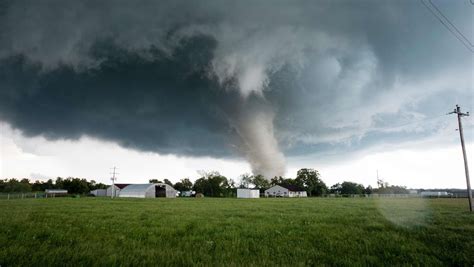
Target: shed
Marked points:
55	192
286	191
148	191
248	193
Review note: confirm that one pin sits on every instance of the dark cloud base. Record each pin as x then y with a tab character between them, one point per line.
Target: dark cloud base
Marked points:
164	103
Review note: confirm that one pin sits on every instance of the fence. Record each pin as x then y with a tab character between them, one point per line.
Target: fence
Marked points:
452	195
31	195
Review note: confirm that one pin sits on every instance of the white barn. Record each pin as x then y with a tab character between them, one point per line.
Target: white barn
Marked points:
148	191
248	193
289	191
118	187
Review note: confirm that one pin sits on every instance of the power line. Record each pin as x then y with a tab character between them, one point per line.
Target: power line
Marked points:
458	35
450	23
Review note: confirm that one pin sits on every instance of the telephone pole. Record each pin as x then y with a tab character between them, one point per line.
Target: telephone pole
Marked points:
457	111
113	181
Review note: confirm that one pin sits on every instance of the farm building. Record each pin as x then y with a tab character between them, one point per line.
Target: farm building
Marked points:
148	191
99	192
118	188
248	193
287	191
55	192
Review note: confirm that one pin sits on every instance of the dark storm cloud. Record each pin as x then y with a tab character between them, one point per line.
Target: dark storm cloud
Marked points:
164	103
201	77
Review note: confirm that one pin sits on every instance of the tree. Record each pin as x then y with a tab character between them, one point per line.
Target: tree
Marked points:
213	184
276	181
13	185
311	181
245	180
260	182
74	185
168	182
183	185
368	190
154	181
350	188
336	189
231	183
2	185
58	184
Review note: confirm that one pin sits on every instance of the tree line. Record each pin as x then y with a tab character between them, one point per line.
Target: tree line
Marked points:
216	185
72	185
213	184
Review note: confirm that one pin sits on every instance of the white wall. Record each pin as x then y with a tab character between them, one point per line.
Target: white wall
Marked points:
109	191
248	193
298	194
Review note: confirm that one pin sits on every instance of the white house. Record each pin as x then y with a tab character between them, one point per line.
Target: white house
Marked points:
118	187
248	193
148	191
288	191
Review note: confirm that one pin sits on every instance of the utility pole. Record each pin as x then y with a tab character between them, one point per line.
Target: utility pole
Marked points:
113	181
457	111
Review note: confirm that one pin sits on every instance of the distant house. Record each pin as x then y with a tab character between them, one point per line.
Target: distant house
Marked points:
118	188
248	193
287	191
148	191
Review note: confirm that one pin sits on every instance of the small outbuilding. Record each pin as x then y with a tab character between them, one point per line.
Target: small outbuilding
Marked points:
248	193
148	191
55	192
287	191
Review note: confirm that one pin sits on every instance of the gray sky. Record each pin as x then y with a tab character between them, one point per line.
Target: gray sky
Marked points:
166	88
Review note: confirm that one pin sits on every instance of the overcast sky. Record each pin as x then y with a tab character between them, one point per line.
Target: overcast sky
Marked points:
162	89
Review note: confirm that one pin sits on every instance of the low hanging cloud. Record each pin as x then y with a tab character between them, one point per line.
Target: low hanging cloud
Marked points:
223	78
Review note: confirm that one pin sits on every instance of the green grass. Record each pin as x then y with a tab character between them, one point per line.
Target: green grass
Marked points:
312	231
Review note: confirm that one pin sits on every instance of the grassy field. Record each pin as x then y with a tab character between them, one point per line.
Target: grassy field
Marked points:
341	231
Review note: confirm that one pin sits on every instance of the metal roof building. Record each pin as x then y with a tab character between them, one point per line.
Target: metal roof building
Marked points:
148	191
116	190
